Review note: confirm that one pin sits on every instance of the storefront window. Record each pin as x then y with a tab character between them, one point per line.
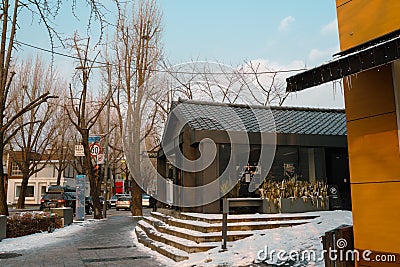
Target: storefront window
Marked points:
30	190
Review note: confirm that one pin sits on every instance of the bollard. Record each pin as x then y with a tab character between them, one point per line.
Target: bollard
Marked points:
225	211
52	224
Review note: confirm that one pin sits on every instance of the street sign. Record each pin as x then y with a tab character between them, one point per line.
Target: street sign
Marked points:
100	158
95	149
94	139
79	151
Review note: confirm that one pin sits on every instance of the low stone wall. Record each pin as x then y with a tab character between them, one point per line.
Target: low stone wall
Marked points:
295	205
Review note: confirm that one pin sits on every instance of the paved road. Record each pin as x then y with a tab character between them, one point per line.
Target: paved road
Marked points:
105	243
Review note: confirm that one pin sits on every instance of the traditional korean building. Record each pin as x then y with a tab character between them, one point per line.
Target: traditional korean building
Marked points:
311	145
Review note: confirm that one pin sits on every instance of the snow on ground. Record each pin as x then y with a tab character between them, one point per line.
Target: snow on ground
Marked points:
301	238
160	258
41	239
240	253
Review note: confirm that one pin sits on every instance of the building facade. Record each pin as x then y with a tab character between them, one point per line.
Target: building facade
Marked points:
38	183
369	62
311	145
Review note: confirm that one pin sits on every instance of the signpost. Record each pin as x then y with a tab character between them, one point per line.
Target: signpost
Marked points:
80	197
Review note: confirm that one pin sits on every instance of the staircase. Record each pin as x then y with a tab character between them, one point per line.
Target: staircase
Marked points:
176	235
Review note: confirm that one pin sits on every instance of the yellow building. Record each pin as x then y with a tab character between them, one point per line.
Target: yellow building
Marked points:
369	63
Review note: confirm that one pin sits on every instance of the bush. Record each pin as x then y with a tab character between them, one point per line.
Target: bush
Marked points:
26	223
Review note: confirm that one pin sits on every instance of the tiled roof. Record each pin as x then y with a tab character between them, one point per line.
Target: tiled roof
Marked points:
288	120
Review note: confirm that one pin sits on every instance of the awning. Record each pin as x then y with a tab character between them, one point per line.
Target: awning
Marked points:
374	53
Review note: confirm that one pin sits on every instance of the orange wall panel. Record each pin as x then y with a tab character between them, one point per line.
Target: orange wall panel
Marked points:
373	151
372	128
362	20
376	225
369	93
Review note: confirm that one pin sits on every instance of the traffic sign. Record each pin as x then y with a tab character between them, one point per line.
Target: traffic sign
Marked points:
79	151
94	139
100	159
95	149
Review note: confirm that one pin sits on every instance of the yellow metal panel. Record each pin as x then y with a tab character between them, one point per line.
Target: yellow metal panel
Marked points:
373	150
369	93
363	20
376	224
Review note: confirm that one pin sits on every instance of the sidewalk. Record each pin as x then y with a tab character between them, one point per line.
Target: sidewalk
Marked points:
106	243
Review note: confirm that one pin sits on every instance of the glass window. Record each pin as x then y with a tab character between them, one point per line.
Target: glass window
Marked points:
15	170
43	190
30	190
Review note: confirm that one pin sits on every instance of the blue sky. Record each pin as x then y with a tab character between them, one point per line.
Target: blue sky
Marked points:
233	31
282	34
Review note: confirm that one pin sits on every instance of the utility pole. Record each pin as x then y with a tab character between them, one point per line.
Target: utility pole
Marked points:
105	177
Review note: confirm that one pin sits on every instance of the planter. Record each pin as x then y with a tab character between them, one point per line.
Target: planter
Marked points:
3	227
295	205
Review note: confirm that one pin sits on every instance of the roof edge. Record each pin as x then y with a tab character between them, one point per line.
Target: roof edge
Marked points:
289	108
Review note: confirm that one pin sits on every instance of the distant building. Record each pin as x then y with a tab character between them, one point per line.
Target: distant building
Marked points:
311	145
37	184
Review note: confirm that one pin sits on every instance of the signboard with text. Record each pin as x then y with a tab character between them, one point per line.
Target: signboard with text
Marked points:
79	151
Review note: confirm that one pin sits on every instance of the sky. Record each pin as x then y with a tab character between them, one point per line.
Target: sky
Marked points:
285	34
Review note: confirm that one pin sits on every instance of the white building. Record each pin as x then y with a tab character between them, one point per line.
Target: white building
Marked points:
38	183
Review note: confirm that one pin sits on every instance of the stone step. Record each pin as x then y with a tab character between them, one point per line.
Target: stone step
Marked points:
183	244
166	250
204	227
217	218
195	236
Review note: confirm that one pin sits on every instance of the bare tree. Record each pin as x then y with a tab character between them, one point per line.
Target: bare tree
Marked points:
32	132
84	114
62	144
137	52
45	11
268	87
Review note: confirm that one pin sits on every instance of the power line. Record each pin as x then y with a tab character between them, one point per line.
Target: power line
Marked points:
105	64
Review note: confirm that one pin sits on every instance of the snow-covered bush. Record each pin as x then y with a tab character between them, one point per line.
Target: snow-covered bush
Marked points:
26	223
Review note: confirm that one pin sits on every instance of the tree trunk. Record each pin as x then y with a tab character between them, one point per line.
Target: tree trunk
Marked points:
136	173
59	177
22	192
136	199
89	171
3	196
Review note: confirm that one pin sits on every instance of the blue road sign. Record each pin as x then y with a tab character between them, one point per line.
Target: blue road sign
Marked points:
94	139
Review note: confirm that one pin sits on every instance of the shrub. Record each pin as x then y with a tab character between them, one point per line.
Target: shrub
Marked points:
26	223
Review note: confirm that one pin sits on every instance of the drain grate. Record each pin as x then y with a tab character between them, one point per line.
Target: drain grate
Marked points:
115	259
108	247
4	255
